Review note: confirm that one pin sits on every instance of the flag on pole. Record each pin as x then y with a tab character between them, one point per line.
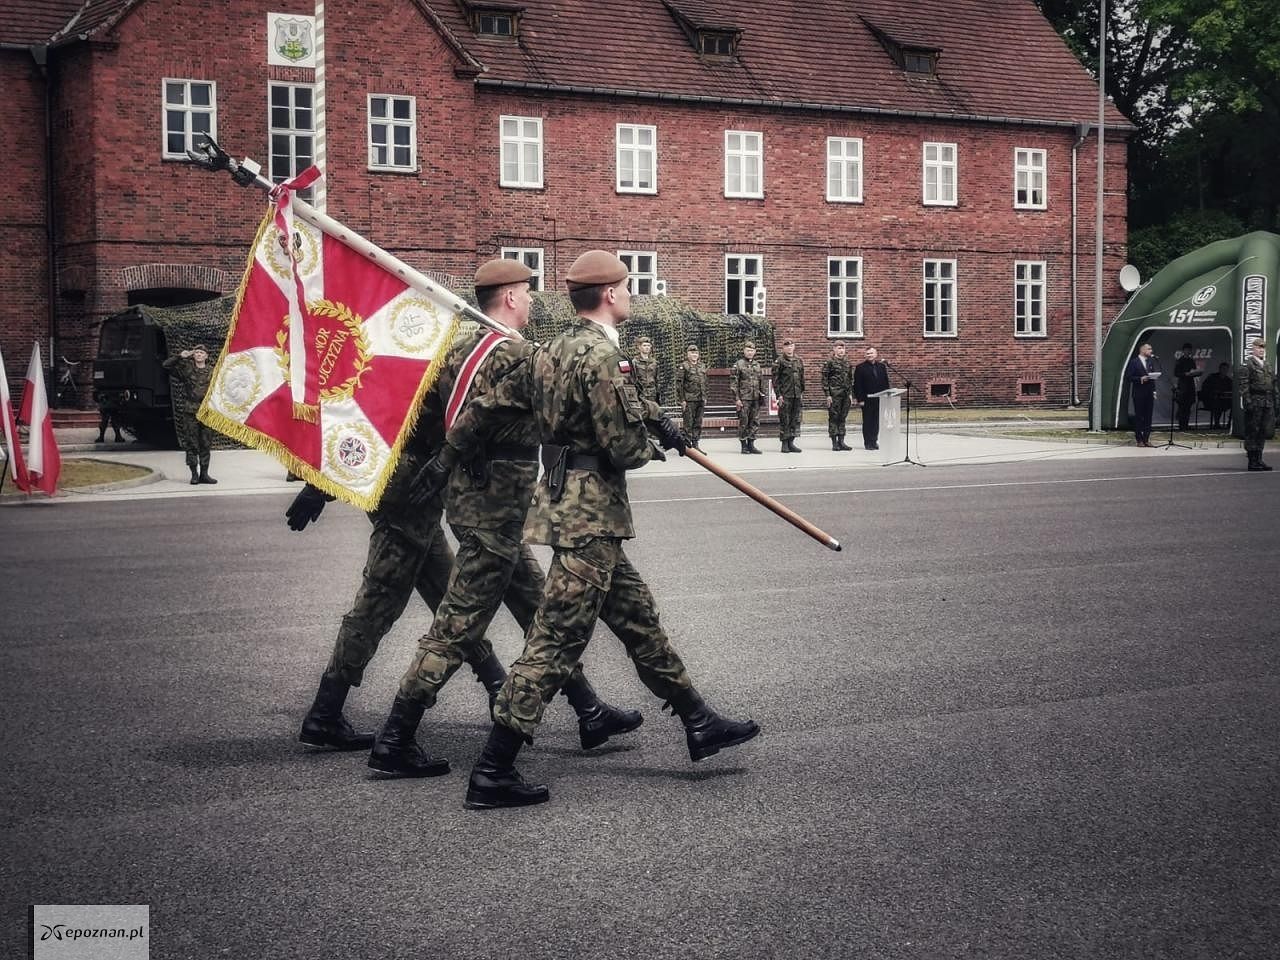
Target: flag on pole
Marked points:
13	452
44	463
328	357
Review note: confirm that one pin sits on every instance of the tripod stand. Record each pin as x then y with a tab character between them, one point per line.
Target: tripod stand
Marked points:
906	454
1173	409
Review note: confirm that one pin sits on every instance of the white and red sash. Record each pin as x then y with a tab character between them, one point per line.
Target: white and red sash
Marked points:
467	376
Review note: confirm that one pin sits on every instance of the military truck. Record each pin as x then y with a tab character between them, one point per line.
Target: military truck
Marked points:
132	345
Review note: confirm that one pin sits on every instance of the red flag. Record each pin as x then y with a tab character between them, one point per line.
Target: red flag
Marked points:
44	463
17	466
327	359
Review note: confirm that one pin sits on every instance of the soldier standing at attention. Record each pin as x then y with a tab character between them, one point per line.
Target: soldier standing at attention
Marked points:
788	386
644	368
1258	395
192	371
746	381
691	390
837	384
591	423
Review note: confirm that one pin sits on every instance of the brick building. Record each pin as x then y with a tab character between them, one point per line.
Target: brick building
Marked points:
894	172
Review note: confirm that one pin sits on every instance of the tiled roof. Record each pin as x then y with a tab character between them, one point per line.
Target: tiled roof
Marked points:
1000	59
32	22
93	17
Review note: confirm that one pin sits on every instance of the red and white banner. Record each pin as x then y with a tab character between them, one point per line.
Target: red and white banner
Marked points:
13	452
327	359
44	463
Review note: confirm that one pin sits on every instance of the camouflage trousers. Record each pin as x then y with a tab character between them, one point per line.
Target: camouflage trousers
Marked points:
589	581
492	568
404	555
837	414
194	438
790	413
1259	424
749	420
692	416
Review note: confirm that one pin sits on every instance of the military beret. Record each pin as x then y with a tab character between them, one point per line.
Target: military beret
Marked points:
1258	343
692	346
788	342
595	268
642	339
748	343
199	346
495	273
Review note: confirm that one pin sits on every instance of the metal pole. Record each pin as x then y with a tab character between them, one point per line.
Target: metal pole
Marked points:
1096	393
321	157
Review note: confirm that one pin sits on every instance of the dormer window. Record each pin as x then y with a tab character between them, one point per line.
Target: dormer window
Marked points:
919	61
495	18
713	36
716	43
913	52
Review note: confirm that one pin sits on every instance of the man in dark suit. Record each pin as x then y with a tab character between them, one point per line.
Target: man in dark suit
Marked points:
1142	388
870	376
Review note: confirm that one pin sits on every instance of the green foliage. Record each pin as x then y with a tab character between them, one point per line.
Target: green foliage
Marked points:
1153	248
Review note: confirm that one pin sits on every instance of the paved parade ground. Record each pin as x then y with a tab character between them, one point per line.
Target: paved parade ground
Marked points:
1030	711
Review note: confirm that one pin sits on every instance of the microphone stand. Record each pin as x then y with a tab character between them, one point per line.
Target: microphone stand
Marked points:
906	458
1173	410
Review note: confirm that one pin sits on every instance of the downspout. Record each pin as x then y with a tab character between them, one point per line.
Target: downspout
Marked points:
1082	134
40	54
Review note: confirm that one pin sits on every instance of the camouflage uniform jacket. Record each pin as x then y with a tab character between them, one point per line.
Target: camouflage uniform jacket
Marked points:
646	376
788	376
1257	385
194	380
691	381
746	380
581	396
837	377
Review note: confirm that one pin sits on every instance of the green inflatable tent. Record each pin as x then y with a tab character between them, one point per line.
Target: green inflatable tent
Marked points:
1218	299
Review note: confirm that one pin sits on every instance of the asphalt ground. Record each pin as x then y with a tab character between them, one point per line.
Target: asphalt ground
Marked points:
1030	711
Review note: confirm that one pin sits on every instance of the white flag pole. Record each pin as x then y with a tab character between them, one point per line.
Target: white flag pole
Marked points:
321	152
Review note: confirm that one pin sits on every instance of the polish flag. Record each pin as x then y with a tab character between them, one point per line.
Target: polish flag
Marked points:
17	466
44	463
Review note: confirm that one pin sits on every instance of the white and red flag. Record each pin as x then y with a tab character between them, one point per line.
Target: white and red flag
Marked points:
13	452
328	355
44	463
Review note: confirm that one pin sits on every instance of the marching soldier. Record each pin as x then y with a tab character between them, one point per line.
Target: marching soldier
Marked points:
192	371
644	368
837	384
746	381
788	386
691	391
591	423
1258	395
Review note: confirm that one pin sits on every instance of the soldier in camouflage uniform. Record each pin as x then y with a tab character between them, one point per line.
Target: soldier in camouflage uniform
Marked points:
788	386
591	423
192	371
691	392
1257	383
746	383
487	498
837	385
644	369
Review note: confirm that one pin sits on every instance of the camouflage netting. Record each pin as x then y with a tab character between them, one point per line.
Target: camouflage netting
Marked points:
207	323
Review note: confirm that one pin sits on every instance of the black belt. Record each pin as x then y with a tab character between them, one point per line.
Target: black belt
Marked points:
511	451
574	461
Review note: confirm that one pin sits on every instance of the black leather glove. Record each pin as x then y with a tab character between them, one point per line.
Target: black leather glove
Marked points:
306	507
668	434
431	479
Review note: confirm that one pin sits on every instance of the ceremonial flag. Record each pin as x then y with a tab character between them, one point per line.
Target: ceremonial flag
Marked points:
328	355
44	463
13	452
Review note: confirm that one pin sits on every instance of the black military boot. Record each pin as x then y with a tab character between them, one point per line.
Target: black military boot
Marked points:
752	448
707	732
842	445
597	720
835	443
786	446
195	475
324	724
743	444
1255	460
794	448
395	750
495	781
204	471
491	675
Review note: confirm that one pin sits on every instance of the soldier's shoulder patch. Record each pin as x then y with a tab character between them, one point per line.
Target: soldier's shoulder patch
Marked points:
624	366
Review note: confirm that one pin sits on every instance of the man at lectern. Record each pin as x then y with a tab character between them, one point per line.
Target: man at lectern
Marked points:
870	376
1142	387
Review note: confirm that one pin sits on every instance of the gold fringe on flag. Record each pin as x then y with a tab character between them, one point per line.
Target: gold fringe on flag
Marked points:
306	411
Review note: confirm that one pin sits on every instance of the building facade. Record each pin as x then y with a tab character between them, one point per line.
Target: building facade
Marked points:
896	174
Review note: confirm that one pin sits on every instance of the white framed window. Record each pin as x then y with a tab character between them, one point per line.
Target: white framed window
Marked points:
393	132
940	174
531	257
939	298
521	152
1029	291
642	269
637	153
190	108
844	296
743	274
291	129
1030	190
743	163
844	169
